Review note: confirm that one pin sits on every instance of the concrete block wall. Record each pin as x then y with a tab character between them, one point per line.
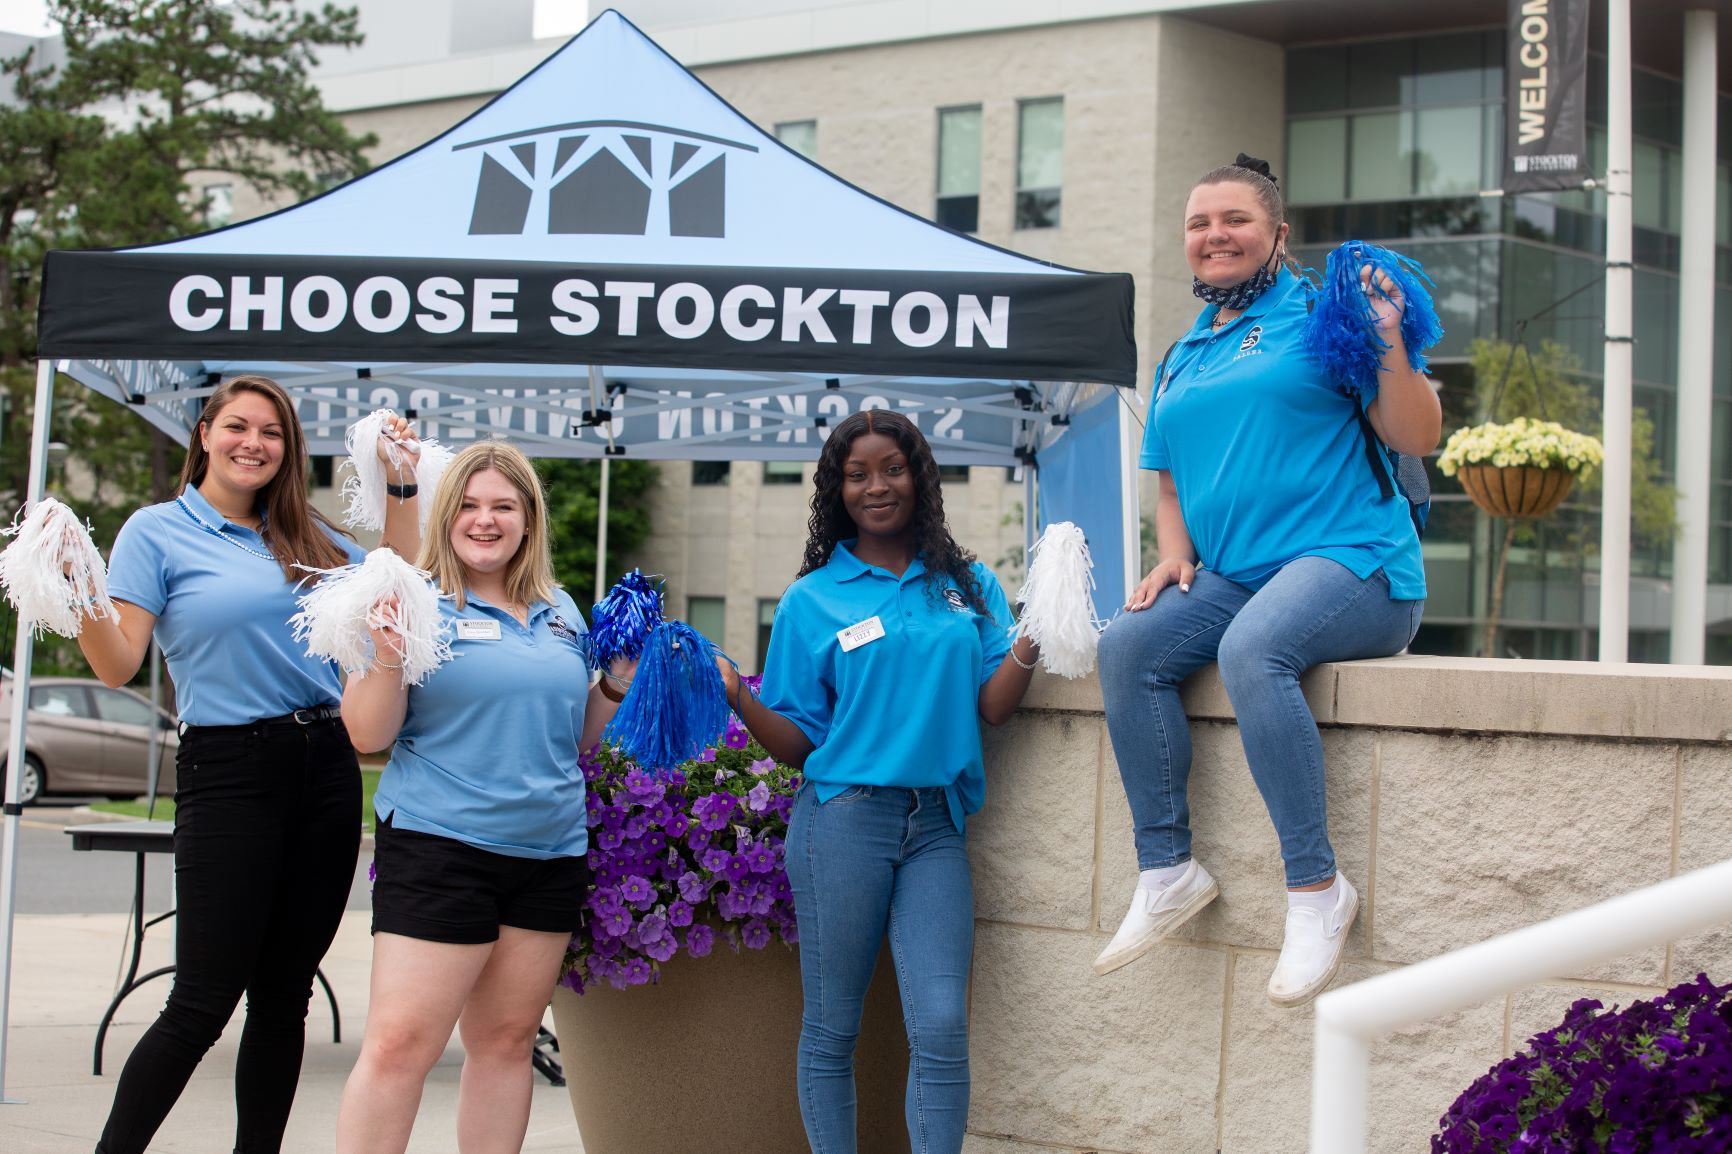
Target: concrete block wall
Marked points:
1467	798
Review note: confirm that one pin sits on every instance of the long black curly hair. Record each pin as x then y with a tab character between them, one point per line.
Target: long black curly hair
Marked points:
831	523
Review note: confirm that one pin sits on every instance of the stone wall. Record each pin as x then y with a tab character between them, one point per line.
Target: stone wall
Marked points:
1467	798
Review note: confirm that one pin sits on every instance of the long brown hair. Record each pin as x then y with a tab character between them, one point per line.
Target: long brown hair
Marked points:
529	576
296	533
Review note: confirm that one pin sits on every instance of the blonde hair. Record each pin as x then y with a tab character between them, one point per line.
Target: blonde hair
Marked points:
529	575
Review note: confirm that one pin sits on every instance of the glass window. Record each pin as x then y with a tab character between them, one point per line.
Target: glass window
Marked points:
1317	160
1039	162
59	700
1375	71
711	472
801	136
959	169
1448	152
782	473
953	474
708	616
1382	157
766	618
1446	69
1316	81
1648	191
121	708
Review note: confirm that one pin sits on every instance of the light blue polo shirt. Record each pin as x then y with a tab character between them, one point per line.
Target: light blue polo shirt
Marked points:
1268	457
488	750
222	613
903	710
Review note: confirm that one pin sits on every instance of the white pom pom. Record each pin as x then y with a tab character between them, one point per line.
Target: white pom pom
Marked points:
52	573
434	458
337	613
364	487
1058	608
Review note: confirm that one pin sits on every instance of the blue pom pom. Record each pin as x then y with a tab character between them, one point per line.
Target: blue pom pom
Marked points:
1341	332
677	705
621	623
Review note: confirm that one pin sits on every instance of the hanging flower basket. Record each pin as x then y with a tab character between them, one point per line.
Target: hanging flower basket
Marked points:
1521	469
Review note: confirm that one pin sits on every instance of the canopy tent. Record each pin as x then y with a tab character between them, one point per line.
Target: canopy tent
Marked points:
610	260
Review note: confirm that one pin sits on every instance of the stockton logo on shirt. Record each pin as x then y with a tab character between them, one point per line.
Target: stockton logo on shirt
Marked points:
957	601
1249	346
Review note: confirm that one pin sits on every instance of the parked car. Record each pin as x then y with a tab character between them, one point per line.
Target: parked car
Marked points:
84	737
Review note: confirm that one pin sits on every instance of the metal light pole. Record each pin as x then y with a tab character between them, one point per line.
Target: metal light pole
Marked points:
1615	495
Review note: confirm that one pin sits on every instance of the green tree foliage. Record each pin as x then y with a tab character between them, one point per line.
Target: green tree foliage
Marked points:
104	152
573	508
154	98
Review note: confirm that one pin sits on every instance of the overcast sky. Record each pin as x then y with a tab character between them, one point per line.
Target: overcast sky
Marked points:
552	17
27	16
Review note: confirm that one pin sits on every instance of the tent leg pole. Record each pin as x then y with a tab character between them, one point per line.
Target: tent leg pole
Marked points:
21	655
1030	522
601	533
1129	500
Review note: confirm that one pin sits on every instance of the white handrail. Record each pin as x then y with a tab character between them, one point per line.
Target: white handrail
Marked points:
1350	1019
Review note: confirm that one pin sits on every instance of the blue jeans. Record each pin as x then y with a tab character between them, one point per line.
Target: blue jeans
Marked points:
1312	611
871	859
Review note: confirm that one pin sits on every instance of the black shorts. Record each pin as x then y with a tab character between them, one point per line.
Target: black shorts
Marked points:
440	890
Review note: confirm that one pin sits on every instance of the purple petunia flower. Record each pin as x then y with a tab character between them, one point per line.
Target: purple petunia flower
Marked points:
693	888
755	934
615	923
637	891
761	859
737	868
662	948
763	765
636	972
707	755
736	737
679	914
700	940
758	800
652	928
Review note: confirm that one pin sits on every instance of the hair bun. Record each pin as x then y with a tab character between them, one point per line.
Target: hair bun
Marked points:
1253	164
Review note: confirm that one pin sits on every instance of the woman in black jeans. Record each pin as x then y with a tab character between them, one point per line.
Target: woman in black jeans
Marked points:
268	809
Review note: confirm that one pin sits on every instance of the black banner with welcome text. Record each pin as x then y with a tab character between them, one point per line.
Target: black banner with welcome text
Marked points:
1546	96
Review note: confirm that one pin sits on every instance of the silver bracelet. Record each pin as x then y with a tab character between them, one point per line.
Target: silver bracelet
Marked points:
1018	660
377	664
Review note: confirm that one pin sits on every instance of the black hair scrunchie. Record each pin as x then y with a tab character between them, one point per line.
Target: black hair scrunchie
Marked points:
1253	164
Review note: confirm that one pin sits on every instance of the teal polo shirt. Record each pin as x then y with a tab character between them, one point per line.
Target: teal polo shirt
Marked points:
901	710
222	611
1267	454
488	750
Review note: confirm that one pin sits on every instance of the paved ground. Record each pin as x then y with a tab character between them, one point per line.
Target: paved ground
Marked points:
65	968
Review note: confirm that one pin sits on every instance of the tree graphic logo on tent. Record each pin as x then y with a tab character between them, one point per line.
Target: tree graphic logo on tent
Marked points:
614	177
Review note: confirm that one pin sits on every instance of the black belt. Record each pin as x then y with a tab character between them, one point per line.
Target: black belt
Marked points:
300	718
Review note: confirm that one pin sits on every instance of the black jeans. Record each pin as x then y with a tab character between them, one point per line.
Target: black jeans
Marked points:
267	828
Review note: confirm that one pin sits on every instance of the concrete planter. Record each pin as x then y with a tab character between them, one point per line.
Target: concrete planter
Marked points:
704	1059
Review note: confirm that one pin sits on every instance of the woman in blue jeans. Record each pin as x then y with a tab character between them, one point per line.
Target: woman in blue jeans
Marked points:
1277	553
886	651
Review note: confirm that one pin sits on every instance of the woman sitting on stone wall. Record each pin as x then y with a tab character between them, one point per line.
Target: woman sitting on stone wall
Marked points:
1277	553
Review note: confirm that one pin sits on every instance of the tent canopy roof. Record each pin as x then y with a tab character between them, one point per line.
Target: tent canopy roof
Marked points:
606	234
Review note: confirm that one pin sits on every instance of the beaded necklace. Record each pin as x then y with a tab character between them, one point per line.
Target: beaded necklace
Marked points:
220	535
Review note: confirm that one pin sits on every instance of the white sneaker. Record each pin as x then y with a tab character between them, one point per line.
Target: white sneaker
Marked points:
1156	913
1311	952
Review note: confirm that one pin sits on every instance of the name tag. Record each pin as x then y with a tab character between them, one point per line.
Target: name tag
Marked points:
855	636
470	629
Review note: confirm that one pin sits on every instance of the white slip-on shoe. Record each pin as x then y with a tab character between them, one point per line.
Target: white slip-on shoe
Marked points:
1156	913
1311	952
